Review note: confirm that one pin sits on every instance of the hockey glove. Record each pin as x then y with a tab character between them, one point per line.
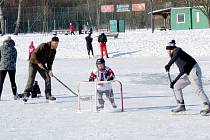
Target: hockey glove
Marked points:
91	79
167	67
110	78
172	84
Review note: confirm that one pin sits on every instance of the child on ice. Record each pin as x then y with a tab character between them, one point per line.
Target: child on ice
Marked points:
31	48
103	73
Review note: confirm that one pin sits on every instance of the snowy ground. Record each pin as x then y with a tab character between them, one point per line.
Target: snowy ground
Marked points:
147	96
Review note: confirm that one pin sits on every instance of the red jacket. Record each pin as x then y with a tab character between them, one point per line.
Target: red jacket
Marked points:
102	75
31	48
71	27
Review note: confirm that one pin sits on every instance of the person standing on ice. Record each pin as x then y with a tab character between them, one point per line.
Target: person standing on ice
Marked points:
85	28
31	48
89	41
43	54
103	73
8	59
190	73
102	39
72	29
80	29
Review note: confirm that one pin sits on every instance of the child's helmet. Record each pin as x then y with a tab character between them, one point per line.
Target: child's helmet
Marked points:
100	61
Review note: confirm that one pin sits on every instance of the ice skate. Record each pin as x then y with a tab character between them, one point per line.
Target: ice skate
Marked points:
206	110
99	107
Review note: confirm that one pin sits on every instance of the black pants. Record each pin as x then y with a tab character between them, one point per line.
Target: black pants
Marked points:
72	32
31	78
11	73
90	48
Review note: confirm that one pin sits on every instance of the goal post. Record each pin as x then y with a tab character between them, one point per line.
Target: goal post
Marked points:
89	94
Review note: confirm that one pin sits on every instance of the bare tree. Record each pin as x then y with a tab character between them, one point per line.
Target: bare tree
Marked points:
17	28
90	18
203	5
1	18
98	13
188	3
45	28
152	17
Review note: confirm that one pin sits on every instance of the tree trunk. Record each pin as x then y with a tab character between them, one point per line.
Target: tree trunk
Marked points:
1	21
208	16
187	3
98	13
90	18
45	18
152	17
209	21
18	18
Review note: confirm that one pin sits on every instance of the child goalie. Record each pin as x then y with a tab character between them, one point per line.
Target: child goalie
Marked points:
103	73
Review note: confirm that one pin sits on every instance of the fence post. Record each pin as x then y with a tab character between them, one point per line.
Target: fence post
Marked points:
54	23
29	26
5	26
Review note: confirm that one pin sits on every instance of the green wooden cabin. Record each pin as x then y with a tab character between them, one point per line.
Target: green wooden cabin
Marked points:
184	18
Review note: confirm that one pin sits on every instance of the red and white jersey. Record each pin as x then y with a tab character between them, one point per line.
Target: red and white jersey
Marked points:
103	75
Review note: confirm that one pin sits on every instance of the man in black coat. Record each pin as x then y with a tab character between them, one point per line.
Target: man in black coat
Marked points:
190	74
89	41
80	29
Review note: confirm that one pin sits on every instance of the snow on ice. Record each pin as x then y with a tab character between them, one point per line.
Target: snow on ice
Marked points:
138	59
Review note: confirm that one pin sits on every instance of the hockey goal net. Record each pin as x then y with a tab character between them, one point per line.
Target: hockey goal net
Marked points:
88	99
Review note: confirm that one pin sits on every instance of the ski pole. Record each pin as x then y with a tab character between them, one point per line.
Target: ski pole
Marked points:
169	77
63	84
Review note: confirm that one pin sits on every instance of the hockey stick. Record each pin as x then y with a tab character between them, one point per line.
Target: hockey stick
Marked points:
63	84
169	77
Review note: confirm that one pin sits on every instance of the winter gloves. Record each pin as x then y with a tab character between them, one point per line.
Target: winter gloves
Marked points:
91	79
172	84
167	67
110	78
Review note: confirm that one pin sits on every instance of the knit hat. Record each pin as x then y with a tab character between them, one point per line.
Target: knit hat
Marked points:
56	39
171	45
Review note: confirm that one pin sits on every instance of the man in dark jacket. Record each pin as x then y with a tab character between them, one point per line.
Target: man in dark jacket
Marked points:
102	39
8	58
43	54
80	29
89	41
190	73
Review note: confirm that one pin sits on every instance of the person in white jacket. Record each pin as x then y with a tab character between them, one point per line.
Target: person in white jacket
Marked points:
103	73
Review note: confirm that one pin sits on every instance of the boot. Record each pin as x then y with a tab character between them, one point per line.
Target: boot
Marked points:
26	95
15	97
51	98
20	95
206	110
99	107
180	107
